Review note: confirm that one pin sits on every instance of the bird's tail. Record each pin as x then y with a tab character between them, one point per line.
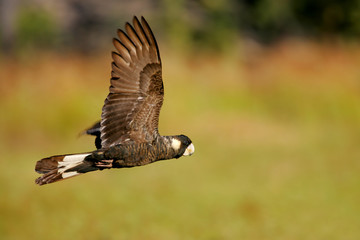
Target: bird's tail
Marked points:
60	167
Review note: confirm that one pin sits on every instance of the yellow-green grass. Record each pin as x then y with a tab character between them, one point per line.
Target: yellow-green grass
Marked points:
277	136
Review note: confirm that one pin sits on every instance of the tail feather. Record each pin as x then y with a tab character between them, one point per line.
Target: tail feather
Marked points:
60	167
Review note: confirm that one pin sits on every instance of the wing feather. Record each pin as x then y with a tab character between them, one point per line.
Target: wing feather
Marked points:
133	36
131	110
122	49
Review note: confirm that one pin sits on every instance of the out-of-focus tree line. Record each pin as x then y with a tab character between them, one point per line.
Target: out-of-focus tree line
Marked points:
202	24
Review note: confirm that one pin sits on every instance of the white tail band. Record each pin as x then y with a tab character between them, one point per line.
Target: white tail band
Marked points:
69	162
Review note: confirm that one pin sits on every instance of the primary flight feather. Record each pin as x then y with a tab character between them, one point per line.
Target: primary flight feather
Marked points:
127	135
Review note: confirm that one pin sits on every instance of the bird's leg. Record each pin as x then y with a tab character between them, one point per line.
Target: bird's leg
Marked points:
104	164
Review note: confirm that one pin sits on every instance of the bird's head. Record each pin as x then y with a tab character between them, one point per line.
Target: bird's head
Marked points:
182	145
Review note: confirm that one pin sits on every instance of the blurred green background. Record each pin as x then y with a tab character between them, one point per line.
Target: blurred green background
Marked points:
269	92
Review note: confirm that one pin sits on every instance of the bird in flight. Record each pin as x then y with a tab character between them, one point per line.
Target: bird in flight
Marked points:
127	135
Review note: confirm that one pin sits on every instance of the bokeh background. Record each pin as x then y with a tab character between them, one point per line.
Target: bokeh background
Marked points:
269	92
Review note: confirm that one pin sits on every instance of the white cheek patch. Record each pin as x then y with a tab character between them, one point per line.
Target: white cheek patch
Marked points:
175	144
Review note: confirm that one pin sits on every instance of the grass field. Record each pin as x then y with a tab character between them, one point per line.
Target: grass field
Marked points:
276	132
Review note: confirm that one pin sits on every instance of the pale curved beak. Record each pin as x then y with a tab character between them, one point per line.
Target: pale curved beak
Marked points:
189	150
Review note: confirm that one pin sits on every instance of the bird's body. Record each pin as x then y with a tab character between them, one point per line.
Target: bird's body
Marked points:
127	135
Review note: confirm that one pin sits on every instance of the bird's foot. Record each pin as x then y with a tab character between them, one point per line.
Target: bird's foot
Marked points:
104	164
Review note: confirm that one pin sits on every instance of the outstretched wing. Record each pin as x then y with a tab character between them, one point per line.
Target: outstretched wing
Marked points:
131	110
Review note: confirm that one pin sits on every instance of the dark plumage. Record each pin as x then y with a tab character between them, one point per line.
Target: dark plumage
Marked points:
127	135
95	131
